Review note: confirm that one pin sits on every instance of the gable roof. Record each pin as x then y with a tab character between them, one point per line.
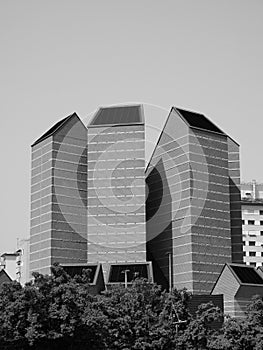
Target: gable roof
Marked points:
245	275
4	277
118	115
54	128
198	120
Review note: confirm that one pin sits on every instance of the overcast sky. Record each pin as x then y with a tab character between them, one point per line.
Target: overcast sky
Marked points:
63	56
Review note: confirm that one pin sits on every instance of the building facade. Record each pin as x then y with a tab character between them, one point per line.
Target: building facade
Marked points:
8	263
252	223
93	200
22	261
193	207
58	231
116	186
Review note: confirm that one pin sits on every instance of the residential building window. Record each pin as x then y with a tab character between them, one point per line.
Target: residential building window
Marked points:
244	253
252	253
252	243
261	233
261	212
261	222
251	222
261	253
243	222
244	243
253	264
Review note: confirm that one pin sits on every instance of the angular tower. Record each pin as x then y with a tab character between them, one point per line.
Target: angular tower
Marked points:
116	189
90	203
59	196
193	199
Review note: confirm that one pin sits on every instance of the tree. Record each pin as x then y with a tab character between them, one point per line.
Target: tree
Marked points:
200	328
142	316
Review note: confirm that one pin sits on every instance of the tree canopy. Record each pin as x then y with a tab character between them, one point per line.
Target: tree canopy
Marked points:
58	312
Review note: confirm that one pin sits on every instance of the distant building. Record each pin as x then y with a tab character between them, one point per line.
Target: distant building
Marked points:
252	223
22	261
8	263
16	264
92	200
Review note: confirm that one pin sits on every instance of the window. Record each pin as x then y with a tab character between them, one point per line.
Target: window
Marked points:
252	253
252	243
244	253
261	222
261	253
261	212
261	233
253	264
243	222
244	243
251	222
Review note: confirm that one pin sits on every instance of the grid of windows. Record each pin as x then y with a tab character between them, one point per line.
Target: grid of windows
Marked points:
252	230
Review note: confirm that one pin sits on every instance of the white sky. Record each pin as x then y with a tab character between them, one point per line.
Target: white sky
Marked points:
63	56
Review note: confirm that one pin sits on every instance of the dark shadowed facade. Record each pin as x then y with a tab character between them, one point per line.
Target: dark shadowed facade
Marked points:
90	203
193	208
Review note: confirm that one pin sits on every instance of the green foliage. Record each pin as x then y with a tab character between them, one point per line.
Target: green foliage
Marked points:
58	312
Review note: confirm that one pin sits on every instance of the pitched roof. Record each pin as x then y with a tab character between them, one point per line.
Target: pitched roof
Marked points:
246	274
54	129
118	115
4	277
198	120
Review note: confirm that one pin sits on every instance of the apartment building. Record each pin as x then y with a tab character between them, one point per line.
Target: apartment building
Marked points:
252	223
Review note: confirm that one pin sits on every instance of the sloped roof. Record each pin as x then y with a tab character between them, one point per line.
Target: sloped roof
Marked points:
118	115
54	129
198	120
246	274
4	277
243	274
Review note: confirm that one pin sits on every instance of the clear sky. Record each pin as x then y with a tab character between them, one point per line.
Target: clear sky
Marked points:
63	56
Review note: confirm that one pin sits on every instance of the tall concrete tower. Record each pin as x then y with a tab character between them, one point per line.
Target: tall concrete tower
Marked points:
193	207
116	186
58	230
